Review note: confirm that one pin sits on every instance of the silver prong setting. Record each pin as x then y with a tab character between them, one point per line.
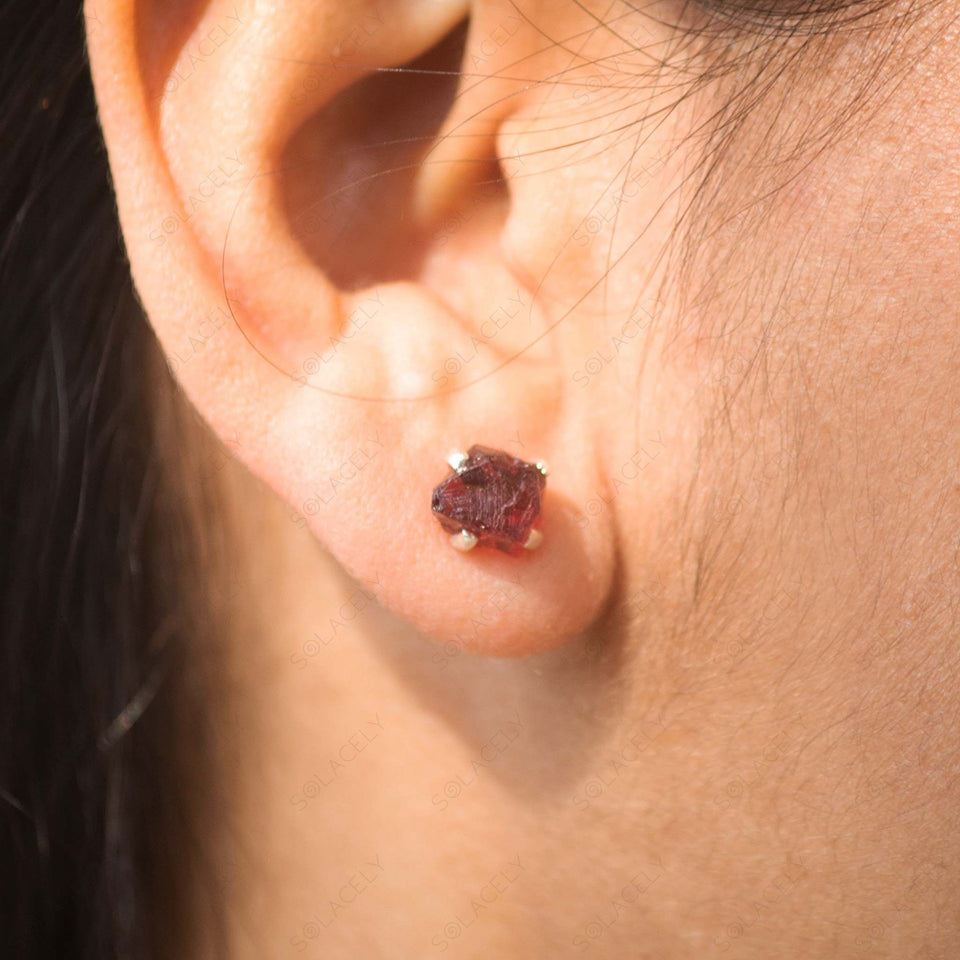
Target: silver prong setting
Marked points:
464	541
543	467
534	539
456	460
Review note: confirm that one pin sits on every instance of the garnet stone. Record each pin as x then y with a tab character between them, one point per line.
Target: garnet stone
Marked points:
492	499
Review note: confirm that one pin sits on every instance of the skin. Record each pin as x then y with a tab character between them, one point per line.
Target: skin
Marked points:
712	283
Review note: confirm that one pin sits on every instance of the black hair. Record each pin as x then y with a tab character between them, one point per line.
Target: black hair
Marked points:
96	531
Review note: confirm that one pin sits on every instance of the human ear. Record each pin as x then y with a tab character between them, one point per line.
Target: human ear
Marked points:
319	243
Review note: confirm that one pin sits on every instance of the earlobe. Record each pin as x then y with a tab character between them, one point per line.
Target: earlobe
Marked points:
329	386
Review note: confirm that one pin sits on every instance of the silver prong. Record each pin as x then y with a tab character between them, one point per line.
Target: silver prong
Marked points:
456	459
534	539
543	467
463	541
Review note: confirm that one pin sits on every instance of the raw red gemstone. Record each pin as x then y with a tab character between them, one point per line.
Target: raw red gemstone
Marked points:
492	495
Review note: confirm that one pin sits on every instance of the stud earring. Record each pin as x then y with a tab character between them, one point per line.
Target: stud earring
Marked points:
491	500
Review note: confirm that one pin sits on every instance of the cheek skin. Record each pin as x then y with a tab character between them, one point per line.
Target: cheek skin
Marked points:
825	362
807	519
